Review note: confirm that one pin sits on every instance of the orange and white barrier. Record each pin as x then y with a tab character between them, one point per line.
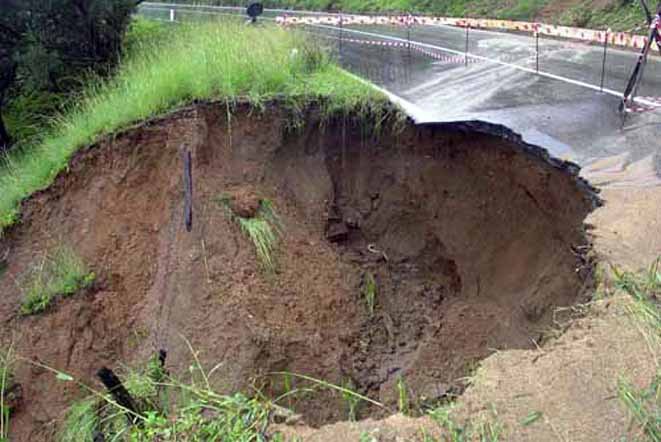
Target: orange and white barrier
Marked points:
623	39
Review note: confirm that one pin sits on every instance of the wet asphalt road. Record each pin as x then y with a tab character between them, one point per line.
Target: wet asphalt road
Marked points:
572	121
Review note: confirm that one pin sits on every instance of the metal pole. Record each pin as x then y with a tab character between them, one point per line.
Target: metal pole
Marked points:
466	52
171	15
603	62
537	51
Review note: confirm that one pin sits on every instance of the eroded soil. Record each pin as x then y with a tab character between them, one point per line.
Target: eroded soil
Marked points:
472	238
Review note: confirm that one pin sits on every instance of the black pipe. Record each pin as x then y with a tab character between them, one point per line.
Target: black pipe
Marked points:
603	62
119	393
188	191
537	51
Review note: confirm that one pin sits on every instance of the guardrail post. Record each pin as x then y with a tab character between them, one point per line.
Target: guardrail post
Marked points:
603	61
468	26
172	15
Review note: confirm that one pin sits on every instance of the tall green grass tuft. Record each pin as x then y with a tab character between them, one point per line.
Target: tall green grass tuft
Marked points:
263	230
645	289
169	410
60	273
644	405
6	381
350	399
402	397
81	421
484	428
208	61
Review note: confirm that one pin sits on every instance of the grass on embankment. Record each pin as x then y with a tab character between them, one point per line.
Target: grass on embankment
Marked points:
60	273
644	404
214	61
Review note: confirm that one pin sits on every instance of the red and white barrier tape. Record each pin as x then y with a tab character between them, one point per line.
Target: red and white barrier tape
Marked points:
651	103
624	39
455	59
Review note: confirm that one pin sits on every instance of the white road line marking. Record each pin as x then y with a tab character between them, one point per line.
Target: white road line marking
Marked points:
416	112
479	57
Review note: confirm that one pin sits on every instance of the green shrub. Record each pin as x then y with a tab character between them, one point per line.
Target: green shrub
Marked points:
143	33
579	15
525	10
30	113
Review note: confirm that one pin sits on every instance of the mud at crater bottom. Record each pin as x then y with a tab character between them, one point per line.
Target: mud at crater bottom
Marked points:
466	245
465	237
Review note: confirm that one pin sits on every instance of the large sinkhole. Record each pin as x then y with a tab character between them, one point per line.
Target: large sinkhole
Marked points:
408	254
450	241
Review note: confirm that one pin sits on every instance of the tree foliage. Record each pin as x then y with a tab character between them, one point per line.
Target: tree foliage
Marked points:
46	45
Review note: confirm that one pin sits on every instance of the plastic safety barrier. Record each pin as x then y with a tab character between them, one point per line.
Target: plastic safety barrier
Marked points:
623	39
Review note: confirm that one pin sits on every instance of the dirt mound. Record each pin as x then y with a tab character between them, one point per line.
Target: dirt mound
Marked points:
243	202
404	255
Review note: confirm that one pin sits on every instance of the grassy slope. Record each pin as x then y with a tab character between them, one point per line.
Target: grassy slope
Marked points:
619	15
221	62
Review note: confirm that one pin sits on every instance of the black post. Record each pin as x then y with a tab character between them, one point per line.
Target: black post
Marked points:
537	51
632	85
466	54
119	392
603	62
188	191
